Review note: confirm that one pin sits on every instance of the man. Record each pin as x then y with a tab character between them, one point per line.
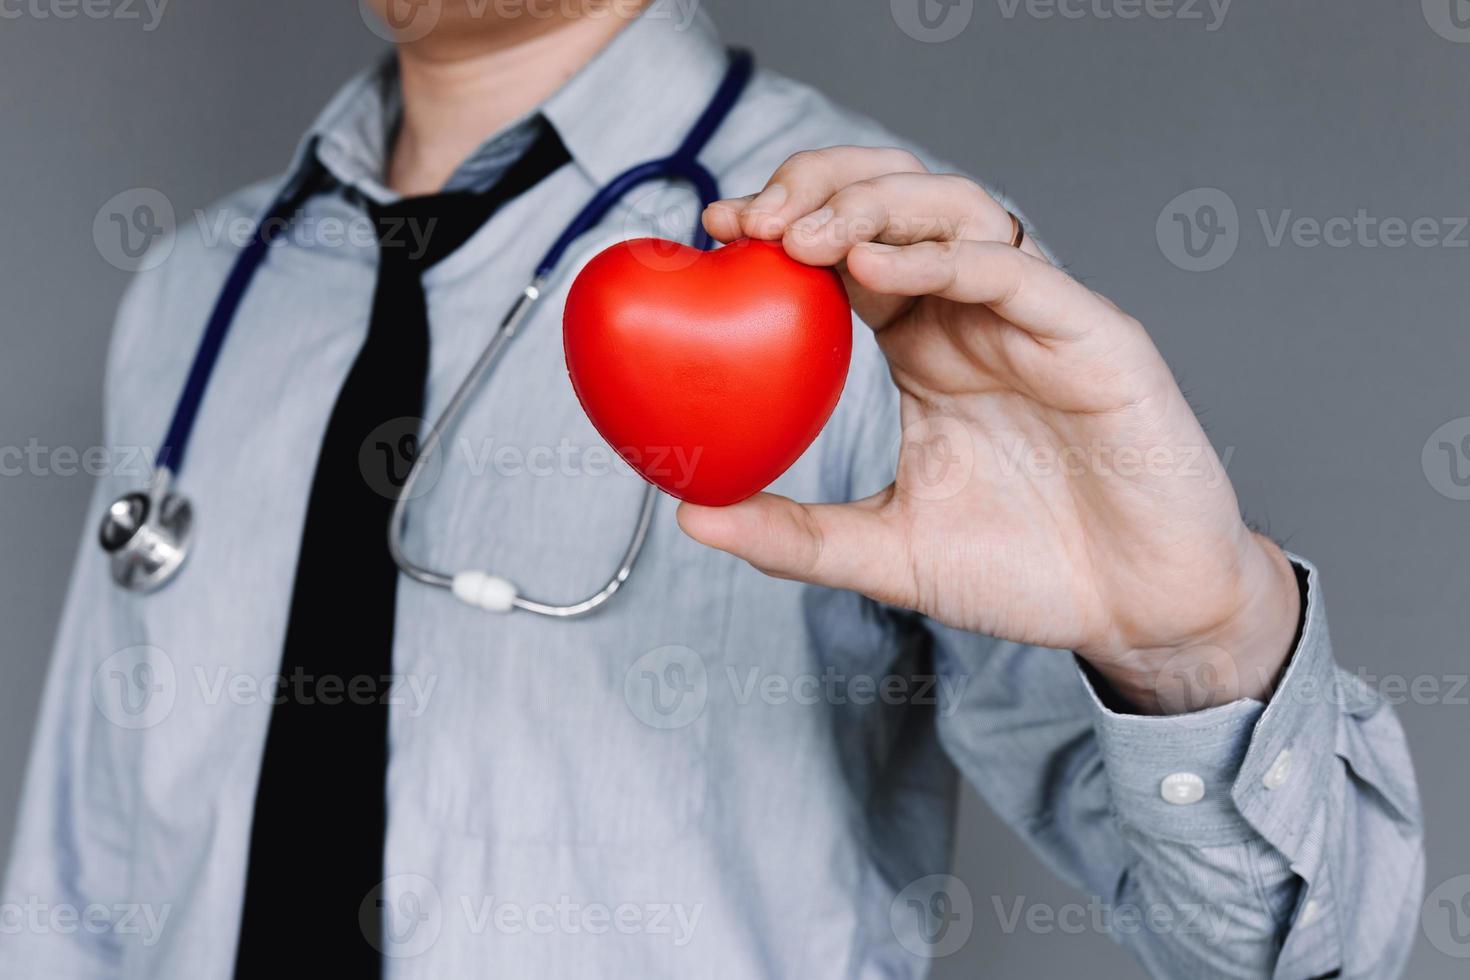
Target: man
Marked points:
1044	586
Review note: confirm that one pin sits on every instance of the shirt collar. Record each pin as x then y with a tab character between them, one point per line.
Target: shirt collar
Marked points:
350	136
638	97
632	102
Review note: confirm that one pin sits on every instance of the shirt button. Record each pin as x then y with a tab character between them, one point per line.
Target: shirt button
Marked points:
1309	912
1279	772
1182	788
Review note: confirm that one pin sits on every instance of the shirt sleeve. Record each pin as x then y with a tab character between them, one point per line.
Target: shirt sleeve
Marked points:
1279	839
1250	840
66	908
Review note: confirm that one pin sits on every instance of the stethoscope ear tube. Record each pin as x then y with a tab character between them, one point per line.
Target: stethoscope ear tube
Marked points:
495	593
147	534
478	588
683	163
311	181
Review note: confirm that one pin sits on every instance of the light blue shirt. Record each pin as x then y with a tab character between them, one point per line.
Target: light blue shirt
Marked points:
720	774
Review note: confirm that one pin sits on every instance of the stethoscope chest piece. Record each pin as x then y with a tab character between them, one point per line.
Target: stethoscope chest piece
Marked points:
147	536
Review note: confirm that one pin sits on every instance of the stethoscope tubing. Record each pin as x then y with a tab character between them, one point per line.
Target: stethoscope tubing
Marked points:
679	166
476	587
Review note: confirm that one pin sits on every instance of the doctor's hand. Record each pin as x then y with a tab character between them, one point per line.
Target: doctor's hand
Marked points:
1078	503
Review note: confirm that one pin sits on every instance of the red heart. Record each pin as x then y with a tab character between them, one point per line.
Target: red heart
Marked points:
708	372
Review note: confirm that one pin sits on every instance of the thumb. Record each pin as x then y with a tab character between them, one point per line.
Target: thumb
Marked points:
844	546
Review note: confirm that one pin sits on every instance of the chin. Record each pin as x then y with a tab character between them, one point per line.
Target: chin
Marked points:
477	24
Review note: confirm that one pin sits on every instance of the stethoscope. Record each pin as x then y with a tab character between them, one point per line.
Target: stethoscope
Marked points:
147	533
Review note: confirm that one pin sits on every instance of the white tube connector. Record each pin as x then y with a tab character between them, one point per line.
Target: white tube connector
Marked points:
485	591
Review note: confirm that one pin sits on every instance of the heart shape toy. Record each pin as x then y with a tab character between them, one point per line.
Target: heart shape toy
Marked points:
710	373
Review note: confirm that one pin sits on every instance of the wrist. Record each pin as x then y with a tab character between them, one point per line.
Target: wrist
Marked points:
1241	657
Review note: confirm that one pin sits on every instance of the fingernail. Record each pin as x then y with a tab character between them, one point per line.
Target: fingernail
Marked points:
769	200
809	226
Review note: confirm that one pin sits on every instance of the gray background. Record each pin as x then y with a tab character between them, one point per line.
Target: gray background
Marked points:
1326	369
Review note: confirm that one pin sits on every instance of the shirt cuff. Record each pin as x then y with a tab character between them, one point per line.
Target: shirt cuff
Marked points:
1239	770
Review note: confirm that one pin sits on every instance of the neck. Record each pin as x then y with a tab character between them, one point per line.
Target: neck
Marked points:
459	92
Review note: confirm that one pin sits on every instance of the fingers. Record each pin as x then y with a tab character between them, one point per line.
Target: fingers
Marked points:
842	546
803	184
722	218
898	209
1027	291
